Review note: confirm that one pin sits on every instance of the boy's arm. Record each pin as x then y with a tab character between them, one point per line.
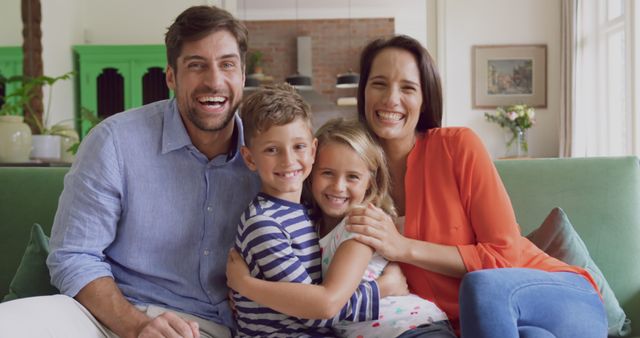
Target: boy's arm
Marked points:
312	301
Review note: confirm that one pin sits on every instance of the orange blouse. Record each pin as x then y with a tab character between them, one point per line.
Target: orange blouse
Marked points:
454	196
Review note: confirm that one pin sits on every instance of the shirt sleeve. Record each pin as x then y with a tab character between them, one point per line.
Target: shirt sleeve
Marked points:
87	216
487	205
268	254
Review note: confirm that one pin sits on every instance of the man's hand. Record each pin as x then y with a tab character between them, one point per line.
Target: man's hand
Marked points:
105	301
169	325
392	282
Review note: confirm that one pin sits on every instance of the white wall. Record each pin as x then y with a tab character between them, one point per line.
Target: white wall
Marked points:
10	23
61	29
99	27
410	15
130	22
489	22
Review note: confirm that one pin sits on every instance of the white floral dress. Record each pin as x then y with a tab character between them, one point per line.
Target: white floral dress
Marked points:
397	314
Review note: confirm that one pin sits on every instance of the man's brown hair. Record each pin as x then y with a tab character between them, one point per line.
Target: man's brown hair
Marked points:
197	22
270	106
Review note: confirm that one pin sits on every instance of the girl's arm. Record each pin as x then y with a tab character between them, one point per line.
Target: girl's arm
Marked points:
314	301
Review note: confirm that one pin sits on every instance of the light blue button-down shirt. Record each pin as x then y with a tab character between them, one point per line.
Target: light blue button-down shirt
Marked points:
143	205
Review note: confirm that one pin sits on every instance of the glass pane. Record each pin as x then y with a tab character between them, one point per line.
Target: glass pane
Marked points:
616	87
154	86
615	8
110	92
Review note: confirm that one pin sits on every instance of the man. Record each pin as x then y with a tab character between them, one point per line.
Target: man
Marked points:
149	209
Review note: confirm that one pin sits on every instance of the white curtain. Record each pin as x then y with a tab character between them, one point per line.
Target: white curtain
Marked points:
569	13
600	119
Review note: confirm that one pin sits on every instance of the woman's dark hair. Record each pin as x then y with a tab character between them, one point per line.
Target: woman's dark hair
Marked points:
199	21
431	110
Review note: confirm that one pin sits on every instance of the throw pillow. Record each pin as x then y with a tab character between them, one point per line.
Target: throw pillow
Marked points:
32	277
558	239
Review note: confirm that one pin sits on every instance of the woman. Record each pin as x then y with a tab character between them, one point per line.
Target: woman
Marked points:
458	218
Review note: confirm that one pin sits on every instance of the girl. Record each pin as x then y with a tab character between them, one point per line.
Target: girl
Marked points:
350	171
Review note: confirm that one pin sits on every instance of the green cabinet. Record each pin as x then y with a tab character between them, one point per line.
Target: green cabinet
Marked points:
10	65
112	78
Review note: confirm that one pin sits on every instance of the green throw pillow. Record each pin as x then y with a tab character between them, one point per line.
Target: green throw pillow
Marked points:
32	277
558	239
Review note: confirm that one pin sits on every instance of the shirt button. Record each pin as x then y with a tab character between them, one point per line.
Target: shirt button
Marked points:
210	209
206	252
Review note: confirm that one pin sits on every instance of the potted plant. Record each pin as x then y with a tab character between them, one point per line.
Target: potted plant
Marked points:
93	120
47	138
15	135
255	63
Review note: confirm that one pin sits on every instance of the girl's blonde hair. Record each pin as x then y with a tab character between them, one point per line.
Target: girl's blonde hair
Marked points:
354	135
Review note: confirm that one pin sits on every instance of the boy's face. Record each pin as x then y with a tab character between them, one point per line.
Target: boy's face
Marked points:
282	156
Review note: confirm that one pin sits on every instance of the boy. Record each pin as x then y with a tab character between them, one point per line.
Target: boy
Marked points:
275	236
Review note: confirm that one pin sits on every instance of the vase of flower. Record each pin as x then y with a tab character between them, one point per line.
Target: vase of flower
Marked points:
517	145
515	120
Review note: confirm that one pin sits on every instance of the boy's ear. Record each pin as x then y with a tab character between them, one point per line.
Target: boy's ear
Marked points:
314	148
248	159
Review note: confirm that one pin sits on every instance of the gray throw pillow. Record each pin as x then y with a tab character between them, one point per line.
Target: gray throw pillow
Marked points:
558	239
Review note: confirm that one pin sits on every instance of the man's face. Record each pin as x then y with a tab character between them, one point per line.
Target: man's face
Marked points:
208	81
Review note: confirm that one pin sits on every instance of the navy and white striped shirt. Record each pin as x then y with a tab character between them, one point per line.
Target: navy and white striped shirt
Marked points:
279	243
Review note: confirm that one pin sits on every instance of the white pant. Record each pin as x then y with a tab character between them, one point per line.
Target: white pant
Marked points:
60	316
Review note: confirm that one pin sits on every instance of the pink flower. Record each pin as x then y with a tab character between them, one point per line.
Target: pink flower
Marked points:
512	115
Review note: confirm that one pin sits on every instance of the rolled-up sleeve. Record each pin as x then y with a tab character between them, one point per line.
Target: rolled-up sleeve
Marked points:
88	213
488	207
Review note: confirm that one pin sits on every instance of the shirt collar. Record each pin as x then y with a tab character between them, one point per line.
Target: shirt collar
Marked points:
175	136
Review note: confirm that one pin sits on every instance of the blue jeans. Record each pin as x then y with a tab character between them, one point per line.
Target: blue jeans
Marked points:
440	329
530	303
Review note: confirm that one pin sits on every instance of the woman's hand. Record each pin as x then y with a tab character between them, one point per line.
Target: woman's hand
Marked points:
392	282
237	271
376	229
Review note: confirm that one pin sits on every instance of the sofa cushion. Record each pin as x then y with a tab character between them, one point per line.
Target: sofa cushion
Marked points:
557	238
32	277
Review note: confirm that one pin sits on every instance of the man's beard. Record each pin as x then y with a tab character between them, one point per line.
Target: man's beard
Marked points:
199	123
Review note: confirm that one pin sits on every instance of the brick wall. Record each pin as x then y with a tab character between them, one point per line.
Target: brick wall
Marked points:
334	50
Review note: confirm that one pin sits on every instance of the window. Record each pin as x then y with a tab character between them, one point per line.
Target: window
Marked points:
605	115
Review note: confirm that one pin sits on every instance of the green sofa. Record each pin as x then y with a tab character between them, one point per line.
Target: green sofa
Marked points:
601	196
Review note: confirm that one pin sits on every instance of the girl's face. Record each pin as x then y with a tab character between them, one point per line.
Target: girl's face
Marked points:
393	95
339	180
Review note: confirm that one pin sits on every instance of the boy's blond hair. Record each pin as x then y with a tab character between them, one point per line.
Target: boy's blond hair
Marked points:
270	106
355	136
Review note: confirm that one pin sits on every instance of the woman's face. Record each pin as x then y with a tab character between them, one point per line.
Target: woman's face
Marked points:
393	95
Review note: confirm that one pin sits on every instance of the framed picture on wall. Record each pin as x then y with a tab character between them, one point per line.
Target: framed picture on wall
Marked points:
509	74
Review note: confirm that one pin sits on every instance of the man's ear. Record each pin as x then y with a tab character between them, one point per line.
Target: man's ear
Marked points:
170	78
248	159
